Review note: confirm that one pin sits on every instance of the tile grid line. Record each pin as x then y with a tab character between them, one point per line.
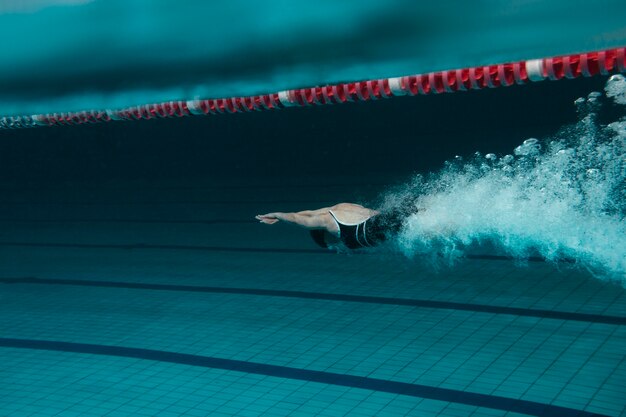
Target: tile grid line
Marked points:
493	337
597	390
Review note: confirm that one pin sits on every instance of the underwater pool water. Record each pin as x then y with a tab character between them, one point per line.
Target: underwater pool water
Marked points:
134	279
163	296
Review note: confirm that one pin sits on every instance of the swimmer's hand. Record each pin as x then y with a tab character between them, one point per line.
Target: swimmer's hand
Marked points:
269	218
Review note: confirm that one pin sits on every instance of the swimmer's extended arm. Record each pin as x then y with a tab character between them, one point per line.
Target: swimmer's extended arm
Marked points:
304	219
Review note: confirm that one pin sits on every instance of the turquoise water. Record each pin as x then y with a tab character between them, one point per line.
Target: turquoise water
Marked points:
134	279
77	55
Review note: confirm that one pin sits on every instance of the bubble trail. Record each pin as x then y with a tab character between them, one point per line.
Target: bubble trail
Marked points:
560	198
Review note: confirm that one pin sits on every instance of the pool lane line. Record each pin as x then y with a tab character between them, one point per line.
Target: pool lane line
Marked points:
163	203
402	388
348	186
420	303
143	246
138	221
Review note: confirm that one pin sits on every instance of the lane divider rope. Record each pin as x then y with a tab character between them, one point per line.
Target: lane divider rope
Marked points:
475	78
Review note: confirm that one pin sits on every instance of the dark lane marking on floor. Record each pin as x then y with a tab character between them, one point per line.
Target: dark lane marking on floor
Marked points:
47	187
316	203
516	311
141	246
512	258
139	221
402	388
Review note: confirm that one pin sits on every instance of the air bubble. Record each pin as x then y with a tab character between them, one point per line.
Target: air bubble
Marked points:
616	88
566	152
618	127
529	147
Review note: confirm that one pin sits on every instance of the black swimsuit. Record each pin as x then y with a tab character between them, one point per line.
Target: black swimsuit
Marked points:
375	229
354	236
365	234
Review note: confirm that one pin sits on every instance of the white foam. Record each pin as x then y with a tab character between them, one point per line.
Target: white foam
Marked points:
562	197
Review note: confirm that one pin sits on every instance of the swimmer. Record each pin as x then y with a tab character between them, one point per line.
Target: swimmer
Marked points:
344	225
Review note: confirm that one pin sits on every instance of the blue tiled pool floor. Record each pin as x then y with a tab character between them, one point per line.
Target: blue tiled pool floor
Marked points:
171	305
